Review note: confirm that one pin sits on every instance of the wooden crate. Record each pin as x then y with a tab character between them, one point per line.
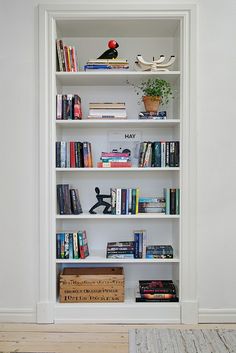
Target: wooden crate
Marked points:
102	284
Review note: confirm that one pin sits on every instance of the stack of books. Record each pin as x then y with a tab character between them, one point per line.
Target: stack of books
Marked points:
120	250
152	205
68	200
124	201
153	115
159	252
107	111
74	154
72	245
66	57
156	291
106	64
114	160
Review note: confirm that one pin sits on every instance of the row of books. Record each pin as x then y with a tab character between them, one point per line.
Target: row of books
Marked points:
72	245
73	154
114	160
66	57
68	107
162	115
124	201
156	291
159	252
152	205
106	64
107	111
172	197
159	154
68	201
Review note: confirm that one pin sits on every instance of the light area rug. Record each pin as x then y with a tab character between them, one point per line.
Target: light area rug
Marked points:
182	341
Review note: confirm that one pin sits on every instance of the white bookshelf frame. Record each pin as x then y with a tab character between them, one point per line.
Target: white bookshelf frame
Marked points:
48	310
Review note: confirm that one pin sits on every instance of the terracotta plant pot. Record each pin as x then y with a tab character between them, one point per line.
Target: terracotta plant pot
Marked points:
151	103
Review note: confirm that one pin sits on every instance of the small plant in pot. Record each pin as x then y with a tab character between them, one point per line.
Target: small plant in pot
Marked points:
155	92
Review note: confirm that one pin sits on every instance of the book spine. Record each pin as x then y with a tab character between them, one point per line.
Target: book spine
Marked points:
60	200
85	154
123	201
81	245
62	243
66	245
136	245
72	154
177	201
176	154
172	154
167	164
118	201
63	154
163	154
62	55
136	201
113	201
75	244
156	154
172	201
71	251
167	198
144	243
59	107
58	154
133	209
58	245
59	55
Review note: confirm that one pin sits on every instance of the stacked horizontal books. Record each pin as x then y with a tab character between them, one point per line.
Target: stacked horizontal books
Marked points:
68	107
156	291
152	205
66	57
68	200
124	201
107	111
73	154
159	252
114	160
106	64
72	245
172	198
153	115
120	250
159	154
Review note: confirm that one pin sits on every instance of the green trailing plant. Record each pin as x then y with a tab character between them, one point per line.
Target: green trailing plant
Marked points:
155	87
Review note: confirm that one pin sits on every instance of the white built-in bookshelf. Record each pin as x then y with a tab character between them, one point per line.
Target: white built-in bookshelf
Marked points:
150	33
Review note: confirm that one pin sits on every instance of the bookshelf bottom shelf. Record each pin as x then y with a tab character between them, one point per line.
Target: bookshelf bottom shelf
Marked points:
126	312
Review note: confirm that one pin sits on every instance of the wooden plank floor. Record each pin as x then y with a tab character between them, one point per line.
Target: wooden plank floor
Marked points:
74	338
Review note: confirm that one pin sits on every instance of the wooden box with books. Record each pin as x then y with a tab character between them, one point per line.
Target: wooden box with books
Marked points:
84	285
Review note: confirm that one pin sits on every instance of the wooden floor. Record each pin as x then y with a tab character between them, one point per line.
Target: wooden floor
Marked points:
73	338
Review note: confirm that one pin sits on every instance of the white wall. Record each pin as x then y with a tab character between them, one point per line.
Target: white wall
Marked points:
216	161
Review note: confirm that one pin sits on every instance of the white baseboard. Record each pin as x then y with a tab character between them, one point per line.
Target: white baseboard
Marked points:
189	312
17	315
217	316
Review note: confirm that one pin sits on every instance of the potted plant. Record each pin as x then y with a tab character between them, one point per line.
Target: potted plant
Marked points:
155	92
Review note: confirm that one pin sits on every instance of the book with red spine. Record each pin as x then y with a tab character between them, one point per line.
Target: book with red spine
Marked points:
114	164
72	154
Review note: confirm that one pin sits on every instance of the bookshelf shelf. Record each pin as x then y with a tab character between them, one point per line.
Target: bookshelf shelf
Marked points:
114	170
129	123
100	260
111	78
118	217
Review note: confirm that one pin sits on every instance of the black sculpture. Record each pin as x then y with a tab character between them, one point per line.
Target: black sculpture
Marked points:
101	202
111	53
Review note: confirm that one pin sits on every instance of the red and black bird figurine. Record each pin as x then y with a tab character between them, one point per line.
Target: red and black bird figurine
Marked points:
111	53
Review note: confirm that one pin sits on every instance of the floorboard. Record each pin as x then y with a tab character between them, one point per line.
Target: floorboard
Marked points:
74	338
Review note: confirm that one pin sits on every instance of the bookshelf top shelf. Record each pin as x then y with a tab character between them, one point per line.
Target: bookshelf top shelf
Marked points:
111	78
